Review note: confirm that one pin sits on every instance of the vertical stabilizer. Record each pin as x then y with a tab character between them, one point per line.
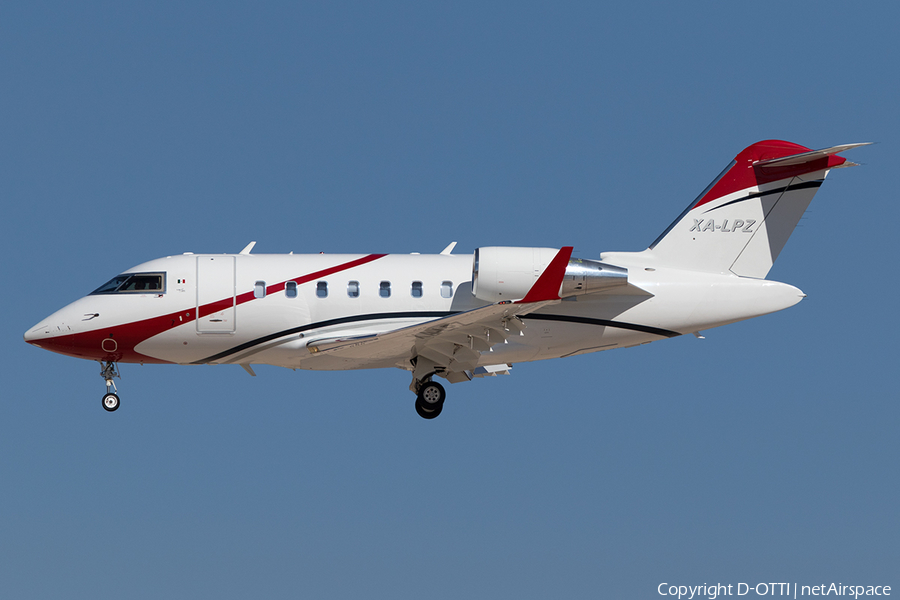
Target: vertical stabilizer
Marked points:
741	222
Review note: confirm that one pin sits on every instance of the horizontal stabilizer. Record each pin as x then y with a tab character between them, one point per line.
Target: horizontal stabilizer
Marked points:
805	157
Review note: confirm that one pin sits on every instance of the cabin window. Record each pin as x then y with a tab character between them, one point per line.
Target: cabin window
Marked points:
416	289
259	289
322	289
290	289
134	283
446	289
384	289
353	289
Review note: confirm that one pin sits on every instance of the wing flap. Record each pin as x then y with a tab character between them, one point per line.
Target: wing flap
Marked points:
454	342
492	370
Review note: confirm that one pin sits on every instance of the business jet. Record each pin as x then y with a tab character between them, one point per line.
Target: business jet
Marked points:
457	317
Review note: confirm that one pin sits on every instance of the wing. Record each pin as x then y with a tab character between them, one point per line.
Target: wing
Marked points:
452	346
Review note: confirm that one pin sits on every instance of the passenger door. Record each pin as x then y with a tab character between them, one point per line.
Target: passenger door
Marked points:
215	294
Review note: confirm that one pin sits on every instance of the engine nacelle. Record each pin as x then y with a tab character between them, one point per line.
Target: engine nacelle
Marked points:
504	273
585	276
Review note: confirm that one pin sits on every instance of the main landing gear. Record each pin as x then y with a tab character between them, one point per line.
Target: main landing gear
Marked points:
108	372
430	399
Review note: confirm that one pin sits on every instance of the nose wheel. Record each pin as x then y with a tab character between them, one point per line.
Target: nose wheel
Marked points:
110	402
109	372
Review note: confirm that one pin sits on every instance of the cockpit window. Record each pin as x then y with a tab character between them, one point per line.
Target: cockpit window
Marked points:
134	283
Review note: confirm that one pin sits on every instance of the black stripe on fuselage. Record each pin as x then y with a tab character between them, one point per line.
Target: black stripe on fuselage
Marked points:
425	315
800	186
328	323
604	323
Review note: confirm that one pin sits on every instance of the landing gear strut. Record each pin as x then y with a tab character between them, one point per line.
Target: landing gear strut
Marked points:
430	399
108	372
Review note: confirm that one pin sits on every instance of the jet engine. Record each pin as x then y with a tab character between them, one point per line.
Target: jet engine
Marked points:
506	273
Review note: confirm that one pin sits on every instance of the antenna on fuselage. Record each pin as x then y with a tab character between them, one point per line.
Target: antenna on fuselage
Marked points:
248	248
446	251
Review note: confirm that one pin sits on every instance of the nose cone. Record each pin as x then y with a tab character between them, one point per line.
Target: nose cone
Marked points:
79	330
33	335
49	333
56	332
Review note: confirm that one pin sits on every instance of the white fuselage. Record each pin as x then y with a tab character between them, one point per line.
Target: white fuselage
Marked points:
212	309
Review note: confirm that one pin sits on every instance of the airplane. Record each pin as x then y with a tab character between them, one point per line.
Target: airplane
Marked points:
458	317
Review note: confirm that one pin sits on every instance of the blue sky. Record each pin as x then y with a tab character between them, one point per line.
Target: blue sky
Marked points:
766	452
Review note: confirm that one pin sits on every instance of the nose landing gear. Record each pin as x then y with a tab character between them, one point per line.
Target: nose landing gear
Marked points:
108	372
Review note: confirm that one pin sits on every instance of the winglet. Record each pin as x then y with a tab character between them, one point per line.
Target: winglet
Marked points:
248	248
548	284
446	251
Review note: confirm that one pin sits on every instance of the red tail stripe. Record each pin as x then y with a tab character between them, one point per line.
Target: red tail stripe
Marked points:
745	174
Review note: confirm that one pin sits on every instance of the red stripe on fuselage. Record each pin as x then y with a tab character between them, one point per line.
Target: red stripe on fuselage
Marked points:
220	305
89	344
